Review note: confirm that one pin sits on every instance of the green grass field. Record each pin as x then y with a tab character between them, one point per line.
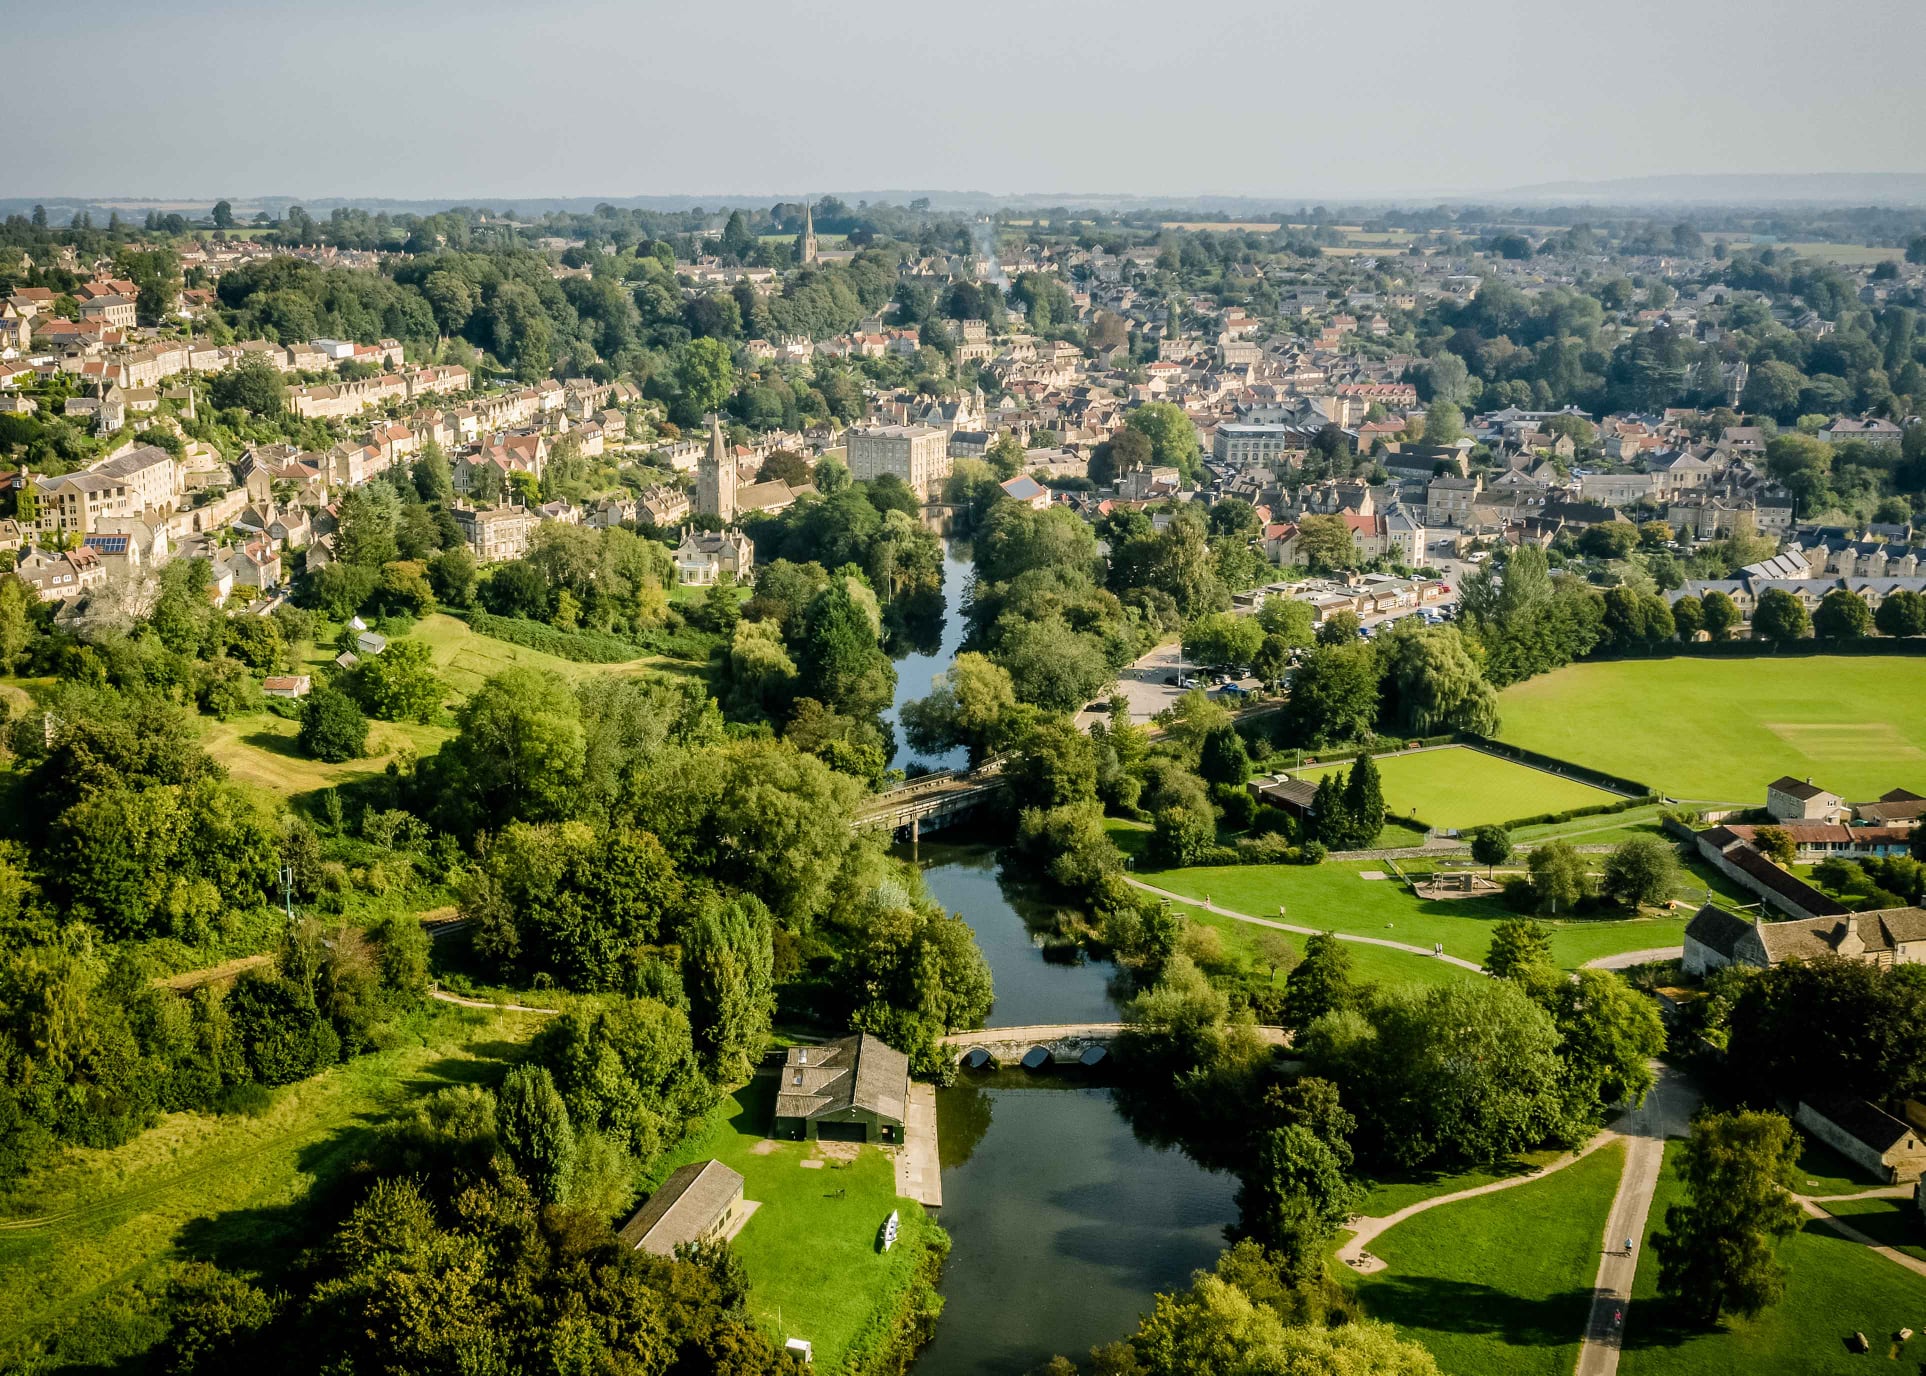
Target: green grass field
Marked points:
1719	730
1388	1195
1892	1222
1500	1285
467	660
815	1270
1369	964
1461	788
1333	897
81	1233
1835	1288
260	749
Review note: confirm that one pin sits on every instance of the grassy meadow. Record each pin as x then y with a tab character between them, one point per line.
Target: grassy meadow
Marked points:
83	1239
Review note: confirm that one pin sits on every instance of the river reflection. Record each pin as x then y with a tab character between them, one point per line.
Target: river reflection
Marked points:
916	670
1063	1224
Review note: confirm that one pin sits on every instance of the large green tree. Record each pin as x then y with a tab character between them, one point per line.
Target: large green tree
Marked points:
1718	1253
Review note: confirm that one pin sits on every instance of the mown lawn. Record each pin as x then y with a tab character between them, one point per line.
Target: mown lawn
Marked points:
1333	897
77	1237
1892	1222
815	1269
1835	1288
1462	788
1500	1285
1369	964
1387	1195
1721	729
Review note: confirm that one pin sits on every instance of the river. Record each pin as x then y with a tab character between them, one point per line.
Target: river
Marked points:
1063	1224
915	671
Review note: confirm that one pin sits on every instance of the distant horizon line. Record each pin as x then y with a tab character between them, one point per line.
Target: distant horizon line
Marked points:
1711	188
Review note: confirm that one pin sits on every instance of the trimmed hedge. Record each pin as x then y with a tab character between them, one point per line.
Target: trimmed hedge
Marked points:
1573	814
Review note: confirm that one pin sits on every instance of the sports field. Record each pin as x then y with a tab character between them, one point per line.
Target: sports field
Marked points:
1719	730
1459	788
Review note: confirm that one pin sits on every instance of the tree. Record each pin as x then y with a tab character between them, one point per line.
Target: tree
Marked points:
1325	544
223	214
1334	697
535	1130
1173	439
1126	451
1720	614
400	683
332	726
1364	800
1780	617
518	754
705	376
1558	875
1274	951
1466	1072
1643	870
728	969
1437	685
1776	843
1491	846
1719	1251
1520	948
1224	759
1842	615
1688	617
1901	613
1608	1034
254	386
1444	423
1272	661
1320	983
1289	619
1223	640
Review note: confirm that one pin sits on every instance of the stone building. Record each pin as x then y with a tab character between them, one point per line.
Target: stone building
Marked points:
918	454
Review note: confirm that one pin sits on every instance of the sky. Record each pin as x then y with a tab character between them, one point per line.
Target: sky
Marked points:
486	100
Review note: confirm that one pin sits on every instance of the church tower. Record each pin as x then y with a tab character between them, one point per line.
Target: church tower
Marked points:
716	478
806	241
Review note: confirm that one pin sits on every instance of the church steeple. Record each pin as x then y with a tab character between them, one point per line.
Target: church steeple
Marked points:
716	477
806	241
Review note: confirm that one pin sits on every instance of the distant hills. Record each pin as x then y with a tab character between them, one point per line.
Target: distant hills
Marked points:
1733	188
1730	189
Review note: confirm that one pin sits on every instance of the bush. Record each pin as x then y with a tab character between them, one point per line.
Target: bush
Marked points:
332	726
1239	809
1269	848
1312	852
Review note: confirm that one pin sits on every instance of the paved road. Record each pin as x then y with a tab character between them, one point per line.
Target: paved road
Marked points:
1666	1112
1625	960
1236	916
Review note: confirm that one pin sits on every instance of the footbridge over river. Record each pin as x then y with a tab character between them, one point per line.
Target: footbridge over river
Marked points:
935	800
1071	1043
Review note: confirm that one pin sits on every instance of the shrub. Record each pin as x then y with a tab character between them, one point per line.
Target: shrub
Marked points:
580	647
1269	848
1312	853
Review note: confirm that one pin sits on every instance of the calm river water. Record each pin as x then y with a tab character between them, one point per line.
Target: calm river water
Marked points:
914	672
1063	1225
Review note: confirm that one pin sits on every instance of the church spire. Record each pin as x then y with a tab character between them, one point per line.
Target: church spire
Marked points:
806	241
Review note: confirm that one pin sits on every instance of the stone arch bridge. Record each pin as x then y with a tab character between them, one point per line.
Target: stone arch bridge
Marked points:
1060	1043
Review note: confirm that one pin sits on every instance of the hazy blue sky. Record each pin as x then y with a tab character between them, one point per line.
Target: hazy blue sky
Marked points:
423	98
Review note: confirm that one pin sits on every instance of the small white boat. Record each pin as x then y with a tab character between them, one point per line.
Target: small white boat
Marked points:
889	1230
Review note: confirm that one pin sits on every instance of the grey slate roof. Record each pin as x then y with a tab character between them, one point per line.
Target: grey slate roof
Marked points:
691	1202
856	1072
